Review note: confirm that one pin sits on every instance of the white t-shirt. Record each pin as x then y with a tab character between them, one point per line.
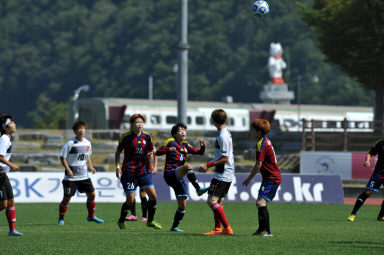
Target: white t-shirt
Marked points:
224	147
77	153
5	151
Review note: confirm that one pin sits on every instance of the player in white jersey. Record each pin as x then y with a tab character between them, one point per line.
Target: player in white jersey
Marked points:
74	156
224	173
7	128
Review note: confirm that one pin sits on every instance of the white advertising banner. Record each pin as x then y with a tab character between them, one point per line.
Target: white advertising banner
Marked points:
326	162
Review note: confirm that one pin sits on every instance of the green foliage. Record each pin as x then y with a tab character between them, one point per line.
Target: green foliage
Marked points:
53	47
48	114
297	228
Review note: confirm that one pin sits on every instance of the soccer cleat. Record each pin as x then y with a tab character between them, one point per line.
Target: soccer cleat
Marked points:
227	231
351	217
267	235
131	218
60	223
202	191
14	232
143	219
380	218
154	224
95	219
215	231
176	230
121	225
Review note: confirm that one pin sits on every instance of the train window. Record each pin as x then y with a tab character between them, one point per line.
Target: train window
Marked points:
331	124
230	121
244	121
211	121
171	119
189	120
199	120
155	119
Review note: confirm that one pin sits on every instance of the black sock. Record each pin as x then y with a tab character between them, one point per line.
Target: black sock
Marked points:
133	208
178	217
192	178
359	202
144	207
124	212
151	209
381	213
264	219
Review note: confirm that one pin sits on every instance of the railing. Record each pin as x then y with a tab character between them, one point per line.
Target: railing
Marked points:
340	135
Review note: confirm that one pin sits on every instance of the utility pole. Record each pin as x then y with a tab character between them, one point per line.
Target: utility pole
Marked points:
182	61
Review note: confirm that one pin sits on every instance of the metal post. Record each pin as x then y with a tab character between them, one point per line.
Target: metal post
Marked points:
182	59
345	126
304	136
313	135
298	101
150	87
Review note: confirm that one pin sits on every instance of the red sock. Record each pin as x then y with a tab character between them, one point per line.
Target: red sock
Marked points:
62	209
219	214
11	217
91	208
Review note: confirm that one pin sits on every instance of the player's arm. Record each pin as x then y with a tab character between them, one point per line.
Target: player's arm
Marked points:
367	160
154	170
219	162
117	161
8	163
90	165
66	166
196	151
255	170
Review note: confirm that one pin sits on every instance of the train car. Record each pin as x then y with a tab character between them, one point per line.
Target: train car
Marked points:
107	113
328	118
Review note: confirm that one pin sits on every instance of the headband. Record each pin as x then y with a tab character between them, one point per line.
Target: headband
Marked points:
6	123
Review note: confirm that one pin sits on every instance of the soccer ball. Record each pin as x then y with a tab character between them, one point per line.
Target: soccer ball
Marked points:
260	8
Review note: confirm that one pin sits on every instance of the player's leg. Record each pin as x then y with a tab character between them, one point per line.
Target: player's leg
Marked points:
69	188
144	206
217	190
129	184
7	202
179	215
91	205
187	170
266	194
132	217
263	214
380	217
145	181
372	185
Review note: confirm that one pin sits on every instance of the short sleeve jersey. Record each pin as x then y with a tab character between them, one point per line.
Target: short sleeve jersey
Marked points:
224	147
378	149
265	153
77	153
175	159
136	148
5	151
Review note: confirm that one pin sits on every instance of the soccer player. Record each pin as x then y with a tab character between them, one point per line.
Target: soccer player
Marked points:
176	150
136	169
376	180
224	173
74	156
7	202
266	164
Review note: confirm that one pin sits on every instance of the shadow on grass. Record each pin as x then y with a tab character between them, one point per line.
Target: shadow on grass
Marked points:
360	244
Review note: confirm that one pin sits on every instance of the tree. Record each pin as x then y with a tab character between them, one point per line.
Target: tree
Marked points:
351	35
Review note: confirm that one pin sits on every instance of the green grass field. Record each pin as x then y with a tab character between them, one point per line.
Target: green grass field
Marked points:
297	229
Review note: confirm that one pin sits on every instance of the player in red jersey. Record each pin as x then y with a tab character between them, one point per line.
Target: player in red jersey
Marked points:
376	180
136	169
176	150
7	201
267	165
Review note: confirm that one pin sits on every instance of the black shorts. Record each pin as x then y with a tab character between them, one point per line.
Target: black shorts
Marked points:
6	191
82	186
219	188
